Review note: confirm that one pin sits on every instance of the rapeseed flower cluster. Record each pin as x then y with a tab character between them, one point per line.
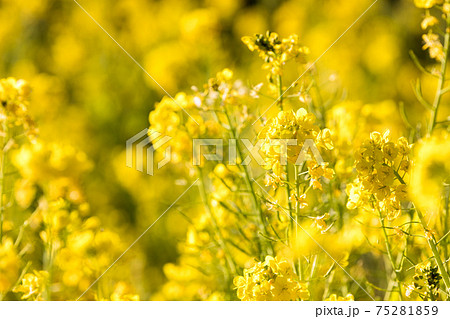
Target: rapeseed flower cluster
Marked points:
14	95
276	52
426	282
284	138
272	279
382	166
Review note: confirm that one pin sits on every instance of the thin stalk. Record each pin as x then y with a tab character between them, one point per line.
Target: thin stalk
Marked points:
288	190
280	92
48	263
446	217
328	282
390	287
432	243
390	255
286	168
297	213
247	178
229	260
441	82
408	243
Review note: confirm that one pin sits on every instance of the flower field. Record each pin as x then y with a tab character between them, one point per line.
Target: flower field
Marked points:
225	150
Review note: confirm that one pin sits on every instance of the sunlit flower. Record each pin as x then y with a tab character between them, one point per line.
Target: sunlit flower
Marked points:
33	285
272	279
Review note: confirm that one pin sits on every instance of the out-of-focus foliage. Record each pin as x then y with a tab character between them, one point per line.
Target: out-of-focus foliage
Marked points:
70	206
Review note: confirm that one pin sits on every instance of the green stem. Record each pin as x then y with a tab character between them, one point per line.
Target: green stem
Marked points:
297	213
441	82
389	253
432	243
48	258
446	217
280	92
248	180
288	190
229	259
286	168
48	264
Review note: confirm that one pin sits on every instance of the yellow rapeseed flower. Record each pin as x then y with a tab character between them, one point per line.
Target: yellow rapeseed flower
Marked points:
272	279
434	46
426	4
32	285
